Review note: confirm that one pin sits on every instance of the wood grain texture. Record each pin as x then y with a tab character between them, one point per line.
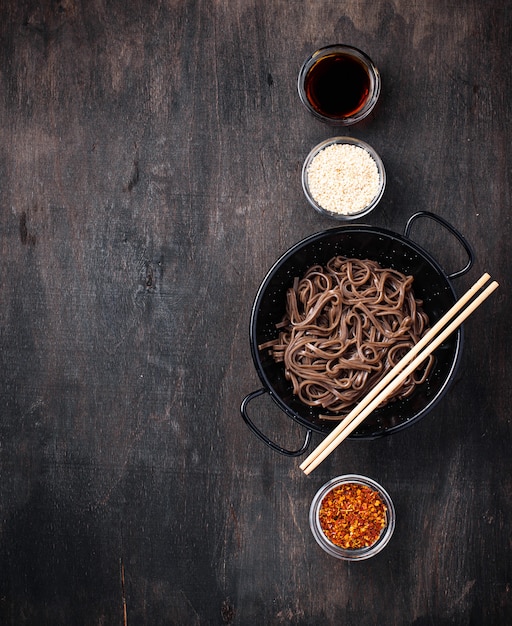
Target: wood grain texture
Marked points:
150	158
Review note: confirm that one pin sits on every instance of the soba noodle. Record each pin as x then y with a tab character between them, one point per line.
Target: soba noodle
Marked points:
346	325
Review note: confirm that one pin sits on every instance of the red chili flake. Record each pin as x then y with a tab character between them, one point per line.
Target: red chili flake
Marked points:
352	516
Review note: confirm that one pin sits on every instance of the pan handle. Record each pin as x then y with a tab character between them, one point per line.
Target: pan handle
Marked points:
264	438
461	239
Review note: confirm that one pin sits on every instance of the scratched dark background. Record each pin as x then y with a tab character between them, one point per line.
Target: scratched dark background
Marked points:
150	157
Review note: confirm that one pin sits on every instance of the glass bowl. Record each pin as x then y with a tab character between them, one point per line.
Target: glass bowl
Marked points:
352	554
345	182
339	84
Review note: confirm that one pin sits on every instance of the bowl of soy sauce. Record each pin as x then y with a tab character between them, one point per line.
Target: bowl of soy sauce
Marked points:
339	84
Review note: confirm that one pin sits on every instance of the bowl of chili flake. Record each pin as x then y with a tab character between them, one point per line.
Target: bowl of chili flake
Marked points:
352	517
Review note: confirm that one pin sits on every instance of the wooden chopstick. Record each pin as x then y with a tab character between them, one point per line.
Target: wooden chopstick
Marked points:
399	373
407	358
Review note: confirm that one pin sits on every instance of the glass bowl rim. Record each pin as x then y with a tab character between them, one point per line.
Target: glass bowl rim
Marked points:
373	73
358	554
354	142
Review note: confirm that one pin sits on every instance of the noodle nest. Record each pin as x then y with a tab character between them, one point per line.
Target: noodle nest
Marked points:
346	325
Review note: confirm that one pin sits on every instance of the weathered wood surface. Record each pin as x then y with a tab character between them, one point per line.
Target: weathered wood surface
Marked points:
150	157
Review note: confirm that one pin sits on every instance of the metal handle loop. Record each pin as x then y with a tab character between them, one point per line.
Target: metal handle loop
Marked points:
459	236
264	438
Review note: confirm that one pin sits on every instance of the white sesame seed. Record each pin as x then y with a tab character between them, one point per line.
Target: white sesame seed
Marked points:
343	178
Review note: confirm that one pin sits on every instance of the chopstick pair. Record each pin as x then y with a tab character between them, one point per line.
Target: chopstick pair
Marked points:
413	359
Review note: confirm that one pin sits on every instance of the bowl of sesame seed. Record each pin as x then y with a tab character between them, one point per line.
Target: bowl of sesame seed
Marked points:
352	517
343	178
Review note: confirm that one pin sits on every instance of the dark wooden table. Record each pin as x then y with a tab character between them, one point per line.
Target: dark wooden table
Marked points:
149	177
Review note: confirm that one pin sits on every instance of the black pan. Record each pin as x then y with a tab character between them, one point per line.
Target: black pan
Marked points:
431	284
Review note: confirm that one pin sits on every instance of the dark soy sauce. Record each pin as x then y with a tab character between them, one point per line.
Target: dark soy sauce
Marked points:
337	86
